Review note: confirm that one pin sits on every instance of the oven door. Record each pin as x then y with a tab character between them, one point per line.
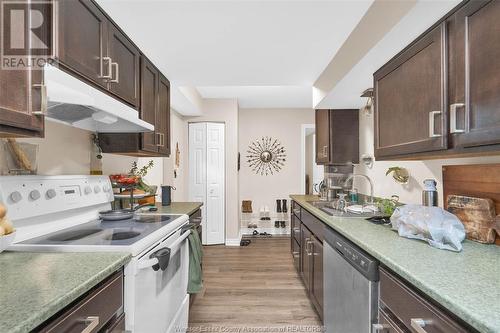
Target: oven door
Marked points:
156	301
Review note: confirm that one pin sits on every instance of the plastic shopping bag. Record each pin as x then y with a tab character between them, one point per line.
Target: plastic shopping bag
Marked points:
439	228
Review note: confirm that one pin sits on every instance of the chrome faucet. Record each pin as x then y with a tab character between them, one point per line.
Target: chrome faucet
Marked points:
365	177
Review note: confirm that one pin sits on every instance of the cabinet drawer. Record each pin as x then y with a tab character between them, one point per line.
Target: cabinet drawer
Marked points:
315	225
97	308
411	308
386	324
296	210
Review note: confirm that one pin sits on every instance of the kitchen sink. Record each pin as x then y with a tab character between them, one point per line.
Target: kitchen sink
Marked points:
327	207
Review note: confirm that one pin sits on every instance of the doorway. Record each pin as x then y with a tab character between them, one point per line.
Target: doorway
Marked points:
207	177
312	173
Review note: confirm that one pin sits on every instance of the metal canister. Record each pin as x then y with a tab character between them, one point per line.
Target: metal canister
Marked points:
430	193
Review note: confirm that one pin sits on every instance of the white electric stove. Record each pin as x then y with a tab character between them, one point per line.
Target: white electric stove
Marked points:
61	214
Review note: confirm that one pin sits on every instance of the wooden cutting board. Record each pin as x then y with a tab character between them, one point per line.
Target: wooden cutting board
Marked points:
476	214
474	180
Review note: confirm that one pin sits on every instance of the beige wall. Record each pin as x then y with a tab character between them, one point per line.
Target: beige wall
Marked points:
419	170
281	124
226	111
66	150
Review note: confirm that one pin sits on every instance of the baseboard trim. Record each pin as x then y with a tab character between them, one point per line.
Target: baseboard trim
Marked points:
233	241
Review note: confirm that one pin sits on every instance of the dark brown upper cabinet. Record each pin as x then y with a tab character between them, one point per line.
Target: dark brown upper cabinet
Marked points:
475	99
155	109
411	99
92	47
163	115
124	68
440	96
337	136
22	100
83	40
149	104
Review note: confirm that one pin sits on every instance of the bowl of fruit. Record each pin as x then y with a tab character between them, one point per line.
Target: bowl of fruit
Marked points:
7	231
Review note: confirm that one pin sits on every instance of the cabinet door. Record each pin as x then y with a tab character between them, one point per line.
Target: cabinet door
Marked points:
411	99
475	108
22	99
344	136
149	103
82	40
163	116
125	60
317	275
322	136
306	255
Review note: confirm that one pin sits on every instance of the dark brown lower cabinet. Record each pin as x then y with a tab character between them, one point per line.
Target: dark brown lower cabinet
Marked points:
307	264
403	309
307	252
317	274
100	310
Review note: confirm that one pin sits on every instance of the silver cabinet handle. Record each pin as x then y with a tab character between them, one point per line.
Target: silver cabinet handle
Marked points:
116	66
453	118
380	328
158	139
295	254
43	101
196	220
110	68
161	140
92	322
296	230
432	116
418	324
325	151
308	247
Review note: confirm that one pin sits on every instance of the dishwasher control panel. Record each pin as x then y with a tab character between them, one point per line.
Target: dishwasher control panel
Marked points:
361	261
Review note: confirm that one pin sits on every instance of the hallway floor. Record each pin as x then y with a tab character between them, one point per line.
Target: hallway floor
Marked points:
252	287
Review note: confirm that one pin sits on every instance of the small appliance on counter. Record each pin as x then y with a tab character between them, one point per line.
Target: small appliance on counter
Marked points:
335	177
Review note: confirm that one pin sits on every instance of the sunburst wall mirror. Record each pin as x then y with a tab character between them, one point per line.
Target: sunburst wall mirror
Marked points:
266	156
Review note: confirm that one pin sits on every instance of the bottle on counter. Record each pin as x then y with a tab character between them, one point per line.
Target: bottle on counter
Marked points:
430	193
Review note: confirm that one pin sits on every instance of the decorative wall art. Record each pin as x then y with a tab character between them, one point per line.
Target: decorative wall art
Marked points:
266	156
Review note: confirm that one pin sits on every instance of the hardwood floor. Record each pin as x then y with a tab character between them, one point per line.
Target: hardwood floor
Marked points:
252	287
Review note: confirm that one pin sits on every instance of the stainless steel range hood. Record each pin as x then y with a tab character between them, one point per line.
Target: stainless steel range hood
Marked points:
75	103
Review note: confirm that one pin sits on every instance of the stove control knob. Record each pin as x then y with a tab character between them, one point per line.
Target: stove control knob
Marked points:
35	195
97	189
87	190
16	196
51	193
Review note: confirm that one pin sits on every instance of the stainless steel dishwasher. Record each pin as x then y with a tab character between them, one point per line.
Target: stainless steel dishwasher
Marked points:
350	286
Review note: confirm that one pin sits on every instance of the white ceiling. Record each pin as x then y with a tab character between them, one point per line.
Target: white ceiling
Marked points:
265	53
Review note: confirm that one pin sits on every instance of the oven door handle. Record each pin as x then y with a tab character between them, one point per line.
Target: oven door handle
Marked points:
154	262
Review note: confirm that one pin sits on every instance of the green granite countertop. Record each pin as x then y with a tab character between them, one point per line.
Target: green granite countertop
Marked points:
187	208
465	283
35	286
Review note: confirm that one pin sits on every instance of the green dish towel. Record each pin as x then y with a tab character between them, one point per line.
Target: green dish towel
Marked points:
195	283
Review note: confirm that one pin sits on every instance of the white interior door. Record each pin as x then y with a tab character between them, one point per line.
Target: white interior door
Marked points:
318	170
207	178
198	169
215	184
